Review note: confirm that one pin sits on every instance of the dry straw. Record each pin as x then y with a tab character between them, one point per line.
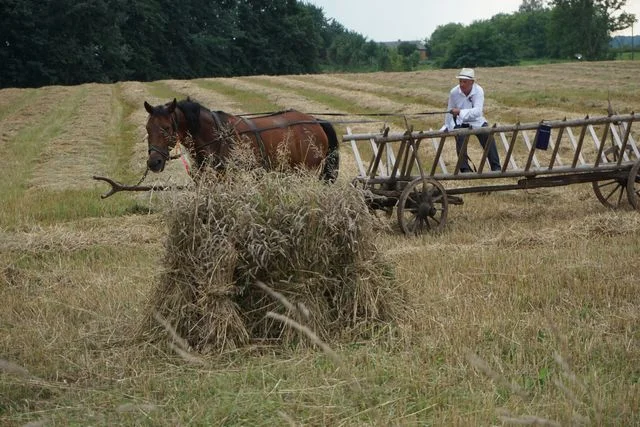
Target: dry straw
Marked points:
310	243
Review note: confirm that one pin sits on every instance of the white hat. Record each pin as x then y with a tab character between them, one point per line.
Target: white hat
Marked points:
466	74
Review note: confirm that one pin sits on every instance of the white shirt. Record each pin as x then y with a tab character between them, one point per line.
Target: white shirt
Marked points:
470	108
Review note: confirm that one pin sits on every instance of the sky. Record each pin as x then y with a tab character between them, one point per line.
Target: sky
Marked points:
392	20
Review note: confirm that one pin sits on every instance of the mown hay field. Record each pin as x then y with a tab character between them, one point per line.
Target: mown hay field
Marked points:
525	310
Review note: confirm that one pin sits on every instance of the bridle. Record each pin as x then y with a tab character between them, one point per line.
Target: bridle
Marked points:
164	152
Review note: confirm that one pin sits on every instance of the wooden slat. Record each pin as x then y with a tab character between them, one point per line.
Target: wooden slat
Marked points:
632	142
356	155
391	158
601	156
438	160
599	146
532	154
485	151
463	149
555	158
381	169
578	146
574	143
509	150
621	146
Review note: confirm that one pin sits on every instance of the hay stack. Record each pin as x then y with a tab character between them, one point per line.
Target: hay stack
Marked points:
308	241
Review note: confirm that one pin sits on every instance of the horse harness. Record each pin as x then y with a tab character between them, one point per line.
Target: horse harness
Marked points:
220	125
252	128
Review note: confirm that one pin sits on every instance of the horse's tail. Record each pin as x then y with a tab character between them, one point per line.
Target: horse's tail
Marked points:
332	161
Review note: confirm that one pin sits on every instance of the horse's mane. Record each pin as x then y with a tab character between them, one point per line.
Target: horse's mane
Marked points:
191	110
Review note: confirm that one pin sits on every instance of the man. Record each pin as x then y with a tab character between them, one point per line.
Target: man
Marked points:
466	102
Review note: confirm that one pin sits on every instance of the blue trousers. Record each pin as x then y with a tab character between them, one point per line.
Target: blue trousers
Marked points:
492	155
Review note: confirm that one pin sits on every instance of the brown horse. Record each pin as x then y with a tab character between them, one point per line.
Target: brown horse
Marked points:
209	137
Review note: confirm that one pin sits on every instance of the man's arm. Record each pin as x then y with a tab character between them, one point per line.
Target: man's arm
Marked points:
449	119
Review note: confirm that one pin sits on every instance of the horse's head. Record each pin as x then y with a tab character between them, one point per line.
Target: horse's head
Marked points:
162	130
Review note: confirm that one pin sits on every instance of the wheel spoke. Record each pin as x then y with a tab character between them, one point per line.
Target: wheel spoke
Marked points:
612	192
603	184
621	188
616	188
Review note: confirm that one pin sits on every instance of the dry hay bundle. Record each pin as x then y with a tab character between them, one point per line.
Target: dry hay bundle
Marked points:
310	242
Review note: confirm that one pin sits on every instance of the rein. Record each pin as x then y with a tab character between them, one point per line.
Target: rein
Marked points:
253	129
424	113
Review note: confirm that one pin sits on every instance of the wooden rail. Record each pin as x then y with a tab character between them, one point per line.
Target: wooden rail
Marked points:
401	156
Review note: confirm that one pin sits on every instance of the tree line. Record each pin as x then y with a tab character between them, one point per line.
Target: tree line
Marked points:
48	42
560	29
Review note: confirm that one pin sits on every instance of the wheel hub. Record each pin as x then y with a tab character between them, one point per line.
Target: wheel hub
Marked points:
426	209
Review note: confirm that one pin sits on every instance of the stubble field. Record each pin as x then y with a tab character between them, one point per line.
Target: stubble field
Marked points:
527	308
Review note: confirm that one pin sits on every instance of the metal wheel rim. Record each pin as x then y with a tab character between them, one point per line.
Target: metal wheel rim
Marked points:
633	186
422	207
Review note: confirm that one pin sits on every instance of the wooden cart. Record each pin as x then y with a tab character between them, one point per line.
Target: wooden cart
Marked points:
407	170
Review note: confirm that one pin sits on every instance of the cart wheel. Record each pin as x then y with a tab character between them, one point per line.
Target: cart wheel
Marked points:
610	192
422	207
633	186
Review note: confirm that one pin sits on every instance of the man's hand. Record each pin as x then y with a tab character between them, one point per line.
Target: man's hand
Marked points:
455	112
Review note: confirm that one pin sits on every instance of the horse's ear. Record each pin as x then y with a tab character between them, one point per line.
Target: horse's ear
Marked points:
148	107
172	106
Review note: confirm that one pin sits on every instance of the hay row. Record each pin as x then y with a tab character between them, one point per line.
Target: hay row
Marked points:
212	100
79	151
24	115
130	230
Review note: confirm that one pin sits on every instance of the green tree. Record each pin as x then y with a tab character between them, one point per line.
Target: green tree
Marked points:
585	26
61	42
531	6
276	37
410	57
480	44
526	29
406	48
21	57
440	41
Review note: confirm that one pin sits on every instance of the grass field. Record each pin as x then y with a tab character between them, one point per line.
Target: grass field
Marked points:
526	311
